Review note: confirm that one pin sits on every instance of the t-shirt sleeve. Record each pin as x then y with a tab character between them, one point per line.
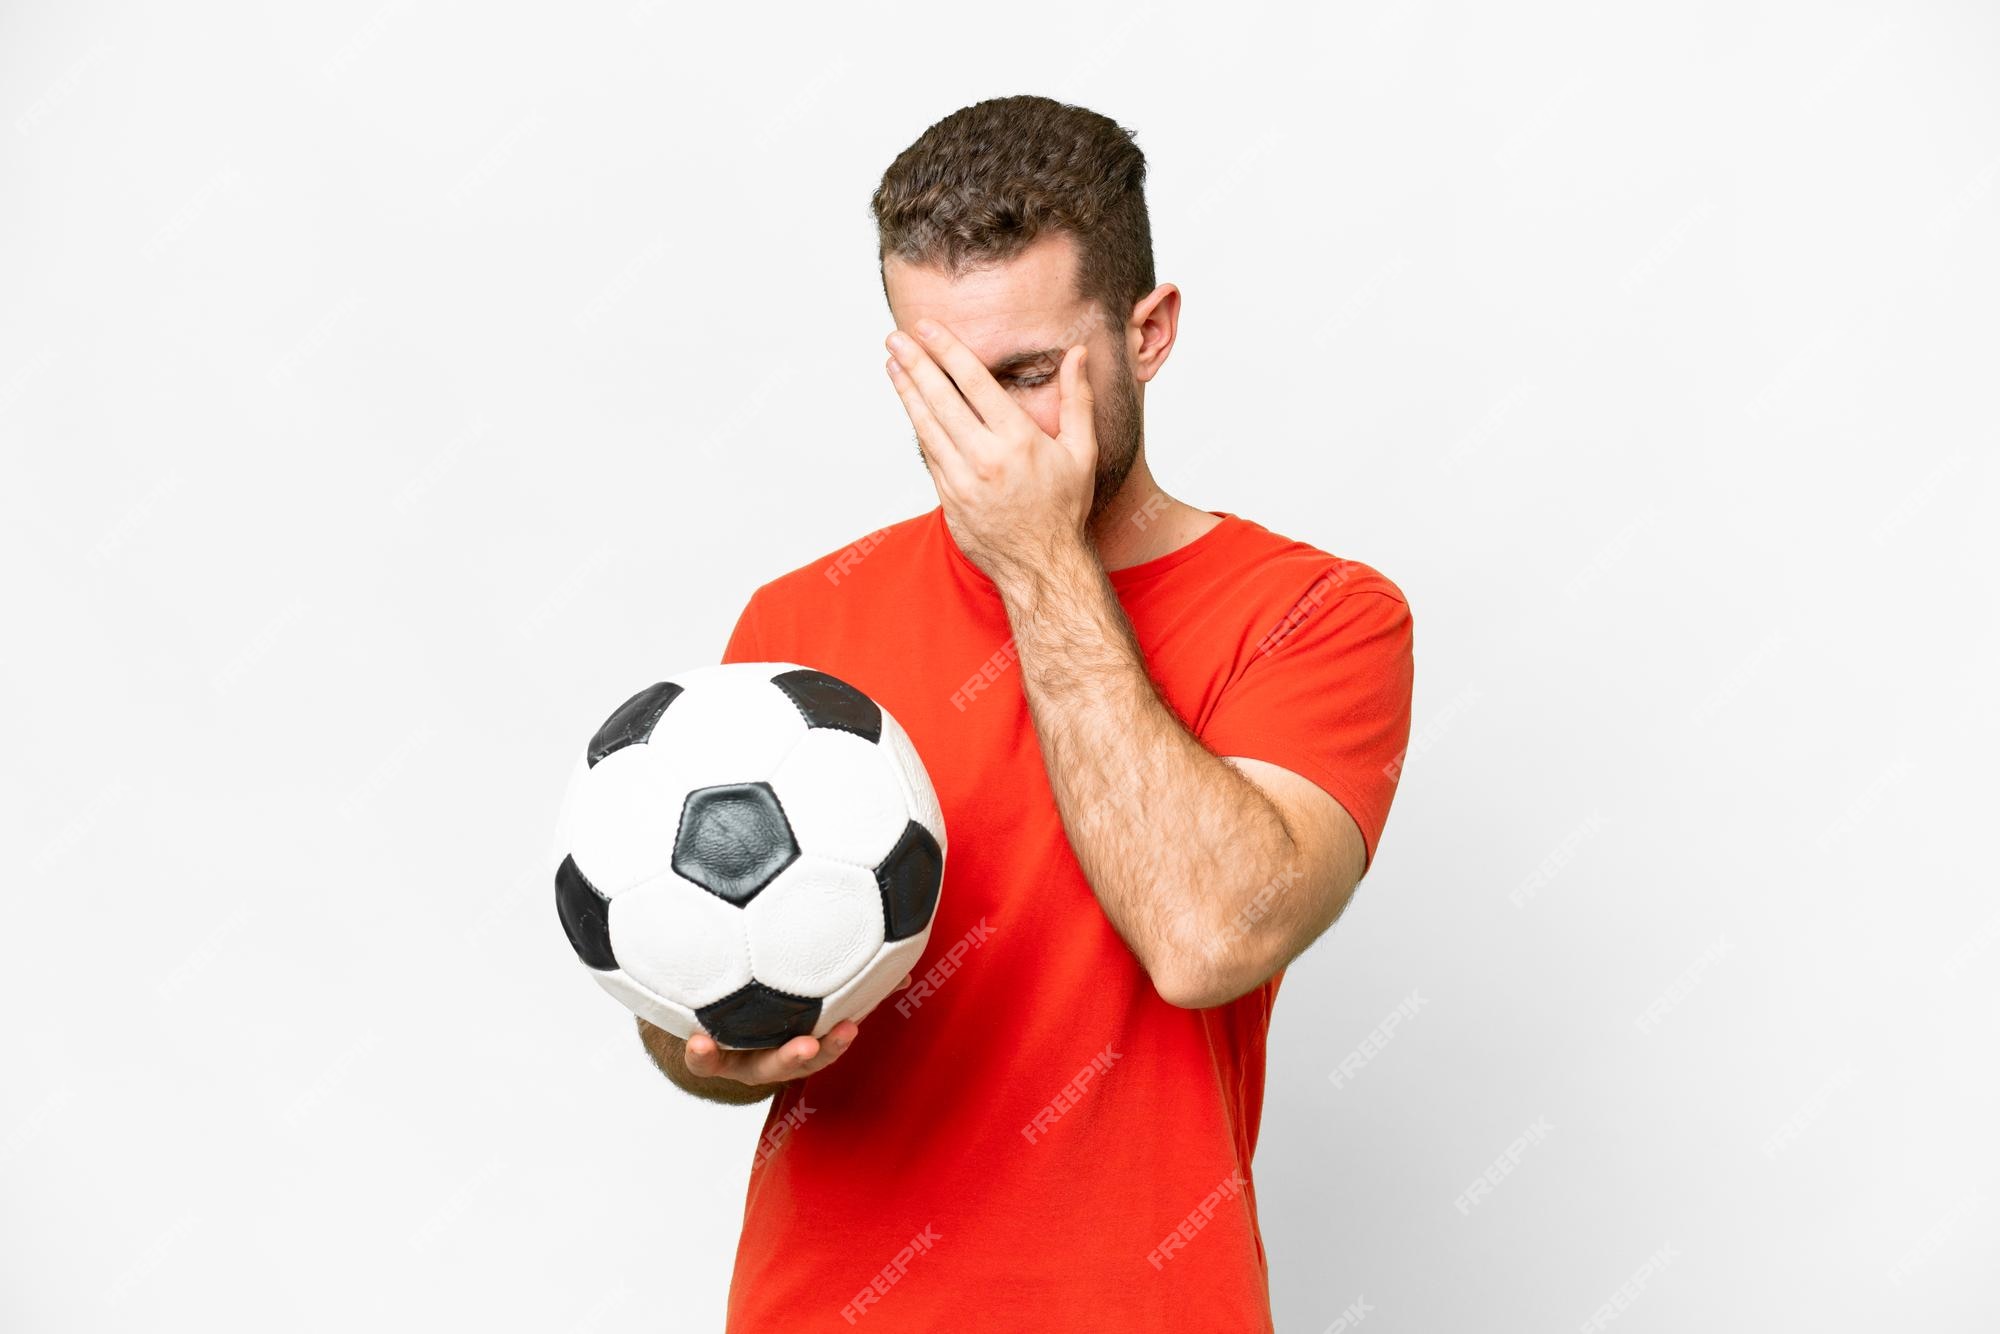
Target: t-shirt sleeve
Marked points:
745	641
1330	701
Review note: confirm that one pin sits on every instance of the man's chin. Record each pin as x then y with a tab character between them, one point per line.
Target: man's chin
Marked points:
1102	503
1109	486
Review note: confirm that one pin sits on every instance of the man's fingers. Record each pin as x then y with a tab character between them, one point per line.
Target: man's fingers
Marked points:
708	1060
702	1056
802	1056
794	1060
836	1041
778	1064
1077	421
970	375
947	405
940	453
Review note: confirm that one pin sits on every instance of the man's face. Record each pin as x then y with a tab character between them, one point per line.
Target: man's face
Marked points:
1019	318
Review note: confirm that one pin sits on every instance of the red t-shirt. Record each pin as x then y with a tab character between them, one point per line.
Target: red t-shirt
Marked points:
1029	1138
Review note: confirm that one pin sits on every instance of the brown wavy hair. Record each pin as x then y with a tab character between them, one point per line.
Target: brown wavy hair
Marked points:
981	185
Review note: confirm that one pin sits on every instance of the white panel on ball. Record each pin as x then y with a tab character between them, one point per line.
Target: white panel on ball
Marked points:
677	939
626	812
916	782
655	1010
867	988
813	927
842	797
731	725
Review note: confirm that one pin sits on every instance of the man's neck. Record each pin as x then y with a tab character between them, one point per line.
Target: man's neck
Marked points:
1143	522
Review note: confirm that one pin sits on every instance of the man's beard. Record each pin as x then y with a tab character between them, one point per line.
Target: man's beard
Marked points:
1120	430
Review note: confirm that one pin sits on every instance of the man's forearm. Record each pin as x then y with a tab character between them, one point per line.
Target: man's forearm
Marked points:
669	1053
1172	840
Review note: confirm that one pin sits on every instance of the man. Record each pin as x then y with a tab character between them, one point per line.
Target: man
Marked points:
1165	742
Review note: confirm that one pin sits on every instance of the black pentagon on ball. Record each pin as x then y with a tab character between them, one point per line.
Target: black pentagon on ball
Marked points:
828	701
633	721
733	840
586	917
756	1016
910	877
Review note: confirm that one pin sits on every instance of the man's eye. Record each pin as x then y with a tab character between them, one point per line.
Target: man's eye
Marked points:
1029	381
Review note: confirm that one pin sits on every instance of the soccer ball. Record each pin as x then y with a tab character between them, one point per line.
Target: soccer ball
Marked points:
753	851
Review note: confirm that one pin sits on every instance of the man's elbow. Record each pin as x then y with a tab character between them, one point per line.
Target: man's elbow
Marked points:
1201	978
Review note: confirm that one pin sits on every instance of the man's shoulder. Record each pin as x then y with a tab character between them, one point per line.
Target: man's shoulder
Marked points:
1286	566
872	553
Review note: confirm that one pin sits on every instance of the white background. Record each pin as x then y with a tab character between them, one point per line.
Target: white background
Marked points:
386	392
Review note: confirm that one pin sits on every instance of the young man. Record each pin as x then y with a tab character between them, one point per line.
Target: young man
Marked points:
1165	741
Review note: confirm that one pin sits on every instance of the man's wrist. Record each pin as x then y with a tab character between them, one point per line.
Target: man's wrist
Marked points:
1066	561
